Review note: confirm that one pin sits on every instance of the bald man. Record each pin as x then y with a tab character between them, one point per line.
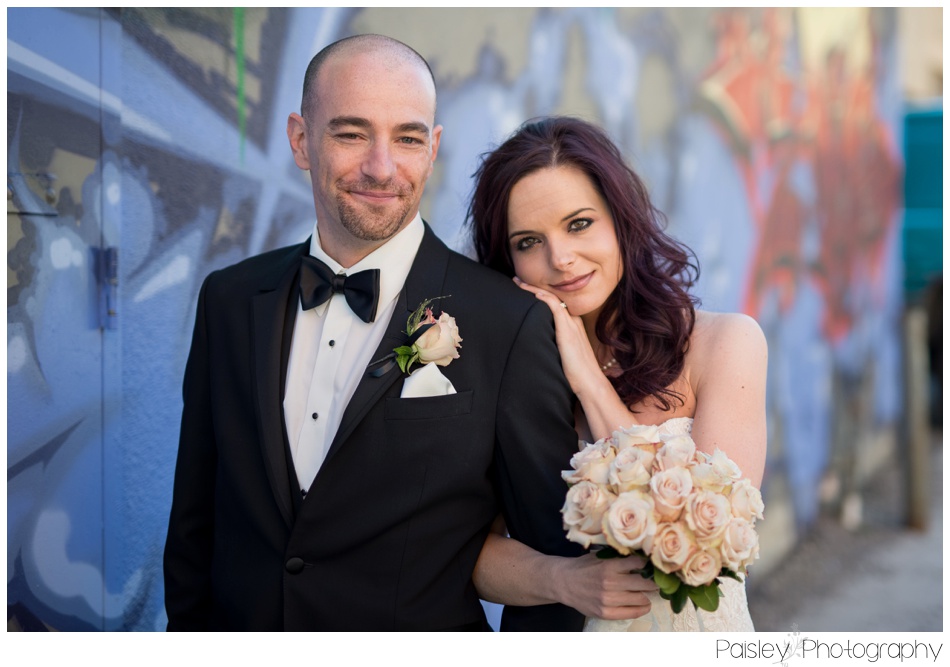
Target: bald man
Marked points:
318	485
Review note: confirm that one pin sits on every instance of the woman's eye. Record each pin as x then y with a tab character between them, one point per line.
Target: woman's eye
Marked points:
525	242
579	224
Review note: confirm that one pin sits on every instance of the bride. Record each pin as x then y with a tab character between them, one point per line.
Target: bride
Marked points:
557	208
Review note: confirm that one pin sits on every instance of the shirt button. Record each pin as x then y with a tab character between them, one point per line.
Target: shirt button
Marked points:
295	565
315	415
332	343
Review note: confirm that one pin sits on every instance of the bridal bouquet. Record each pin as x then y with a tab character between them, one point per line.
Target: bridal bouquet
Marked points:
690	514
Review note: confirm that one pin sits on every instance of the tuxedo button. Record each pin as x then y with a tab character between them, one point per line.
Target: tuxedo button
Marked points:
294	565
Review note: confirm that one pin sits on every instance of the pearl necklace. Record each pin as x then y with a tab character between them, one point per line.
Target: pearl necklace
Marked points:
609	364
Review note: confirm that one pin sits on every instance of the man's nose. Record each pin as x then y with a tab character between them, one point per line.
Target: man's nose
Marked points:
378	163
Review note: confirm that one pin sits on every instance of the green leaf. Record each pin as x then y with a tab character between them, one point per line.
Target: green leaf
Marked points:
726	572
678	599
668	583
647	570
403	350
705	597
608	552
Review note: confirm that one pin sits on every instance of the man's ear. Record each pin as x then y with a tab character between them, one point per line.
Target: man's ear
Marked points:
436	139
297	135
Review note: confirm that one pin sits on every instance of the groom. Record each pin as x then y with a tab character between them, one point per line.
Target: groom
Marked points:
311	492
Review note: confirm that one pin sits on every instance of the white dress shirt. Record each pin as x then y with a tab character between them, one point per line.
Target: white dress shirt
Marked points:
332	347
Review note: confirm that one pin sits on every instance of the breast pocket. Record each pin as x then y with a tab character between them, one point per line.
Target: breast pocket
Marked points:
429	407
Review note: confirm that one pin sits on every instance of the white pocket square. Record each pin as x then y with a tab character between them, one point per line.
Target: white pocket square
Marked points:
426	381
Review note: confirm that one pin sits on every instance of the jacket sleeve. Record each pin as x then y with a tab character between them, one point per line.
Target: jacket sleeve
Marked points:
535	440
189	544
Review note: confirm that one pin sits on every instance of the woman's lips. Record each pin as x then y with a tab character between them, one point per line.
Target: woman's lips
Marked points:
574	284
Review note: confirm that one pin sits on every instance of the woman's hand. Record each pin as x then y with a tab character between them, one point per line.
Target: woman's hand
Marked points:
607	588
603	409
509	572
577	356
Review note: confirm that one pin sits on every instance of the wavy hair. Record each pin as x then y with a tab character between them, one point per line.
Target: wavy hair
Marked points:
647	320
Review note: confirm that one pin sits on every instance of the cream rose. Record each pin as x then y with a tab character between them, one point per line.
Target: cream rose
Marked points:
740	545
629	524
707	514
670	490
439	344
677	451
672	546
591	463
637	435
583	512
631	469
701	568
716	472
746	501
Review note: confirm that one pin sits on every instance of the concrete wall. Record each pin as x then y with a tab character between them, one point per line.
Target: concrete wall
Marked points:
769	137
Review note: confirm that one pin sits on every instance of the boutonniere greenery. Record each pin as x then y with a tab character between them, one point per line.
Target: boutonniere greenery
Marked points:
428	340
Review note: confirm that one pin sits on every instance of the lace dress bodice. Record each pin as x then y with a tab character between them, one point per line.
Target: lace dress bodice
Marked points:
731	616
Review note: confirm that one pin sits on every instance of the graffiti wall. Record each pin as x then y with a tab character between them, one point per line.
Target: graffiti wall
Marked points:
146	147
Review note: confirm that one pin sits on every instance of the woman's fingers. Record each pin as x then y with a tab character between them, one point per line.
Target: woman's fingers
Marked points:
558	307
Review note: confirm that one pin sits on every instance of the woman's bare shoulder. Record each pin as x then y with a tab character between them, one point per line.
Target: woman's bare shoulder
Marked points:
720	339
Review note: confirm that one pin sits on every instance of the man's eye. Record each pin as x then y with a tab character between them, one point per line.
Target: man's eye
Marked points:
410	140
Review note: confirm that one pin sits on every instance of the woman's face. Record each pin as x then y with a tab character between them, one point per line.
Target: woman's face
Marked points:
562	238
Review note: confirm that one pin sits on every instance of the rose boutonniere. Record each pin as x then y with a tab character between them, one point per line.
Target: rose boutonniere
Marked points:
430	340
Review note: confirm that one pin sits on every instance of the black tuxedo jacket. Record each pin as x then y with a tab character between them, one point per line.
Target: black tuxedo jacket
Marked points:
393	523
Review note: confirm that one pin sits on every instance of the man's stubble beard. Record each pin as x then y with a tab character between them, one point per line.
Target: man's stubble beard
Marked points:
367	226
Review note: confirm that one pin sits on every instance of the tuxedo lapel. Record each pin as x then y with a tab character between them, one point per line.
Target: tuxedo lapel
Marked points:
424	281
269	321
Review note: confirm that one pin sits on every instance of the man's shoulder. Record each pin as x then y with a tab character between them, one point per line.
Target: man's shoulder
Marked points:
473	277
261	270
490	298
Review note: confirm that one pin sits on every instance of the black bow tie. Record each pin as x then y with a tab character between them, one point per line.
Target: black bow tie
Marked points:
318	283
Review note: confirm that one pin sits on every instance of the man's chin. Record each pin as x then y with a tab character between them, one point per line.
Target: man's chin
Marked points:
368	227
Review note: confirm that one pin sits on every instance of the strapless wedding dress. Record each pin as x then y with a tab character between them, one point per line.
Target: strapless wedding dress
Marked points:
731	616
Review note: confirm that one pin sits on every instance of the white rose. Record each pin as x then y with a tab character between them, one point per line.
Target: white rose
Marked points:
672	546
677	451
638	434
715	472
631	469
629	524
440	342
670	490
740	545
591	463
701	568
583	512
707	514
746	501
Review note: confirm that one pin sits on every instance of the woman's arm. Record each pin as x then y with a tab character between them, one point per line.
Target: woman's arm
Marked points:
729	367
508	572
603	409
728	359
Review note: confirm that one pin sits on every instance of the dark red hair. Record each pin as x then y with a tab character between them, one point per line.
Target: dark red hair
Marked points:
648	318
